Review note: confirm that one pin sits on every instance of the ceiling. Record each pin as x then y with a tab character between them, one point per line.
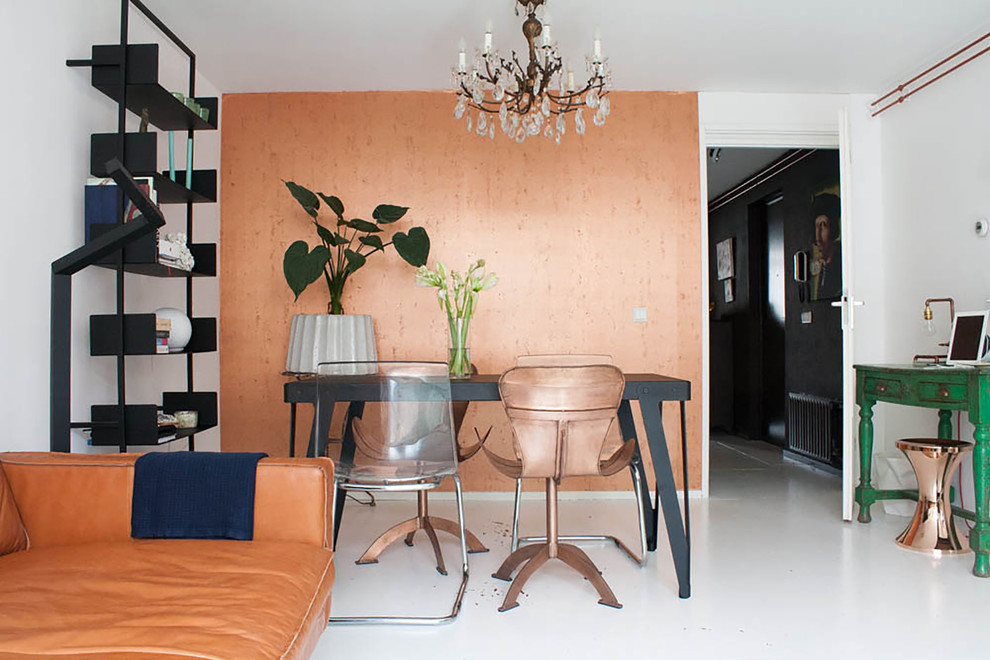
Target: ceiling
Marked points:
705	45
735	164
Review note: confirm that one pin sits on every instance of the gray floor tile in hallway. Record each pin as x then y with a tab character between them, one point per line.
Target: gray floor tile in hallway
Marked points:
776	574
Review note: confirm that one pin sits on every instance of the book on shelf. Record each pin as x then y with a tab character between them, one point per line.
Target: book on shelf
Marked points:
163	327
167	426
166	435
100	201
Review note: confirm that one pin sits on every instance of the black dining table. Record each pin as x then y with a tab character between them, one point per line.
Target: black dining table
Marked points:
650	390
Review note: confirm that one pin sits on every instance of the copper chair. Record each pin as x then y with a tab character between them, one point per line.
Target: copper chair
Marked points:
579	360
560	417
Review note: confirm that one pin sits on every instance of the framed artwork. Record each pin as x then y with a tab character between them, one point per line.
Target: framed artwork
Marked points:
729	290
724	267
825	262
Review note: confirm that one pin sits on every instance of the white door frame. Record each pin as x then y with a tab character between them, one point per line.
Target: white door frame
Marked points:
751	128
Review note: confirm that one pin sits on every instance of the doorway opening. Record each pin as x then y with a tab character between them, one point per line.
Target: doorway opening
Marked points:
776	370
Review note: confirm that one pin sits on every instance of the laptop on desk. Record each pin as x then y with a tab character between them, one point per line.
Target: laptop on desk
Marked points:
970	341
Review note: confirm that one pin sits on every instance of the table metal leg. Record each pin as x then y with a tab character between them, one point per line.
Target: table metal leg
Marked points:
347	447
292	430
687	509
866	495
667	492
628	429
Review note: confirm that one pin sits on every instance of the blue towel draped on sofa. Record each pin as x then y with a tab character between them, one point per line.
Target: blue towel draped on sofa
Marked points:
194	495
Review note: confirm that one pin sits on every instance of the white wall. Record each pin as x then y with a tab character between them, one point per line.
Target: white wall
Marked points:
936	184
48	114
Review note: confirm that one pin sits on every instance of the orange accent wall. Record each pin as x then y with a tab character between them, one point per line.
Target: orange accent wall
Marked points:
578	234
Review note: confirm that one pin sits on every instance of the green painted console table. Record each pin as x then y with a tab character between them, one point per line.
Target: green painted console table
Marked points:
946	389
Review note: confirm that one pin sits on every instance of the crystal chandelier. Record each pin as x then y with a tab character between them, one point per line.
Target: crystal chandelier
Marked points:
532	98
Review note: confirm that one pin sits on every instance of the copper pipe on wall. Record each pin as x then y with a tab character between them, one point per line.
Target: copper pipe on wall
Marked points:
900	88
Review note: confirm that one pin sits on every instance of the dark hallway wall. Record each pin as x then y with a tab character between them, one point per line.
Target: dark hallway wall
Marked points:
812	351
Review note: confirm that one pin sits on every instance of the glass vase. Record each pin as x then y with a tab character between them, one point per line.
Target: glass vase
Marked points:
458	349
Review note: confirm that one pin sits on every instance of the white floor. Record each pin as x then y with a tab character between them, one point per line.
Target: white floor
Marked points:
775	574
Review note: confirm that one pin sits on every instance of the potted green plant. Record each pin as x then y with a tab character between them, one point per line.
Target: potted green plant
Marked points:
343	248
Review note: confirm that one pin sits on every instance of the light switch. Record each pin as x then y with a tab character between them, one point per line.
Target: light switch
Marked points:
639	315
806	317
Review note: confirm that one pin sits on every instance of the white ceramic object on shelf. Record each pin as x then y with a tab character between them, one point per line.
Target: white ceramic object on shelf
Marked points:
181	331
316	338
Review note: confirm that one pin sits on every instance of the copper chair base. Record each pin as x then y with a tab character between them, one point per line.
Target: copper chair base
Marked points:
640	559
532	557
427	523
535	556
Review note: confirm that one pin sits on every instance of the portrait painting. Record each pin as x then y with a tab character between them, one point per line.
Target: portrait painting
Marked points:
825	262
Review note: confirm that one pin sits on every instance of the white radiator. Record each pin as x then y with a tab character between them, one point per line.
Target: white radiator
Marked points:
814	427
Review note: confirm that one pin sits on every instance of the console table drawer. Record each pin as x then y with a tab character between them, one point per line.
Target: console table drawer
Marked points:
888	389
947	392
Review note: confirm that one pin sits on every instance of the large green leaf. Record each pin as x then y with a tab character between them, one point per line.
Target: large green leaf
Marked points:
302	267
334	203
326	235
386	214
414	247
373	241
363	225
354	260
304	196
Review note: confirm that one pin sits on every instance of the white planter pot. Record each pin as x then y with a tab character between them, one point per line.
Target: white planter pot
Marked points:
317	338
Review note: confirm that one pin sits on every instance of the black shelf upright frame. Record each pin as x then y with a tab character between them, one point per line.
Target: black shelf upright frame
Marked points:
111	244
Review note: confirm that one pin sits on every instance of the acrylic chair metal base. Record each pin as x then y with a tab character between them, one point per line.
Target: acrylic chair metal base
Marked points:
462	535
932	529
532	557
429	524
639	559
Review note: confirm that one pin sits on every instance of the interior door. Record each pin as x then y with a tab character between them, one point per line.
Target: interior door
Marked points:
848	303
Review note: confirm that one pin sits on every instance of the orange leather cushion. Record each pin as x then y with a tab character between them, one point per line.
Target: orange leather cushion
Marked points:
68	499
12	537
164	598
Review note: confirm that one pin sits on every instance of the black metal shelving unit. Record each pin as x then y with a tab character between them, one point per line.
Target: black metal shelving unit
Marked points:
128	74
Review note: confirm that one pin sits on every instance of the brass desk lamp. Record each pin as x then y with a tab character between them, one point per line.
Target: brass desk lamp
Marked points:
931	328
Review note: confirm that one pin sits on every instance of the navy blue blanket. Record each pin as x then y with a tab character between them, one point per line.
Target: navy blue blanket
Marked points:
194	495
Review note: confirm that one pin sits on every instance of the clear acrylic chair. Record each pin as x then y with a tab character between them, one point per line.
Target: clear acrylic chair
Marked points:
403	440
625	456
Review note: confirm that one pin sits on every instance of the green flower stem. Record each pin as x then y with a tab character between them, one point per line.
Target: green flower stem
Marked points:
459	361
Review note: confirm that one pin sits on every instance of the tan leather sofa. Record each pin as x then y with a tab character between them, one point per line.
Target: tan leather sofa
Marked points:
73	582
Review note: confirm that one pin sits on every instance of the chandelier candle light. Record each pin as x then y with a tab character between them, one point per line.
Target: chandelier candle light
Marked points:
458	296
533	98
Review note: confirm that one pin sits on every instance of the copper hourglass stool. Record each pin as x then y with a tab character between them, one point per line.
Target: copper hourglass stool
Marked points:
932	529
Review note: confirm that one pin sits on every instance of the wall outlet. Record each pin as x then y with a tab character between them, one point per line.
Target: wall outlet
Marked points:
806	317
639	315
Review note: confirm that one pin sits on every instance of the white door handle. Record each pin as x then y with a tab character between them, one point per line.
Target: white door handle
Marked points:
847	316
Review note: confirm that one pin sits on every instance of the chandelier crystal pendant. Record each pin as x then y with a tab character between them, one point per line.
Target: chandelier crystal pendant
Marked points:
533	98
